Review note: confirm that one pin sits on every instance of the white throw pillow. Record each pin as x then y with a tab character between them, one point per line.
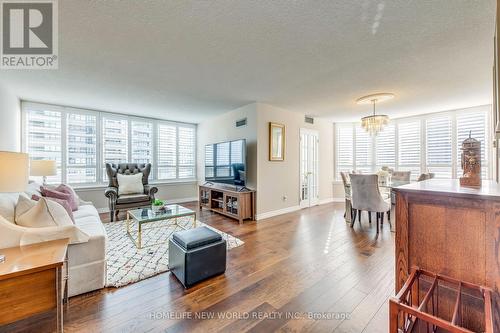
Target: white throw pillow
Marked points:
44	213
130	184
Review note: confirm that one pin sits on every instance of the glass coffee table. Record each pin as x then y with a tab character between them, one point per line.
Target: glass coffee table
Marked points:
143	216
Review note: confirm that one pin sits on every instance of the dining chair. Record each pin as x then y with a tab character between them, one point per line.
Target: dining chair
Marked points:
365	196
347	193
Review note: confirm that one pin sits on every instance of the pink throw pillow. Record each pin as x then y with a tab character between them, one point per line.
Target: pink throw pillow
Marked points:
54	193
68	190
62	202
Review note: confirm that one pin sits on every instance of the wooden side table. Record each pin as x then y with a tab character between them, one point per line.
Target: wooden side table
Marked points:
32	281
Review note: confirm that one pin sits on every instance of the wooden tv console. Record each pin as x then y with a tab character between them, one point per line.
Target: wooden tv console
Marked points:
226	200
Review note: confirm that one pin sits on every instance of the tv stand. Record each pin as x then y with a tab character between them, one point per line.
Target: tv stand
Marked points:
238	204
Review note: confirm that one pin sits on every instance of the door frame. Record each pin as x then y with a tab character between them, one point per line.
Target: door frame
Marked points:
309	202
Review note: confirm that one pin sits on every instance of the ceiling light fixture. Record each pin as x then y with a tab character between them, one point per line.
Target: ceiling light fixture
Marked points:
374	123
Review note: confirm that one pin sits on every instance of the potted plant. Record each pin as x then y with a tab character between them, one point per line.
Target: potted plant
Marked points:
157	205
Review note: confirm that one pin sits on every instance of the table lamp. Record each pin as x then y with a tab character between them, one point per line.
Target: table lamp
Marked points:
13	174
43	168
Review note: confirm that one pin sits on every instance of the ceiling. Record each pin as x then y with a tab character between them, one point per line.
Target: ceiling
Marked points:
189	60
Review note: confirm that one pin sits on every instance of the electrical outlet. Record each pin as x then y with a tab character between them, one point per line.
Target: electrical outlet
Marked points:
284	198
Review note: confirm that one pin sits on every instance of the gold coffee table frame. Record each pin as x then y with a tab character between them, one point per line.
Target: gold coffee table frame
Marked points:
173	213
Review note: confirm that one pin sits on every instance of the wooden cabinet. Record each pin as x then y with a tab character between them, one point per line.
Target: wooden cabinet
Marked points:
32	281
239	205
449	230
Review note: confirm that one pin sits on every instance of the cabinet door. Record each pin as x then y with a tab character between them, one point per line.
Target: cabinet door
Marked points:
231	204
204	197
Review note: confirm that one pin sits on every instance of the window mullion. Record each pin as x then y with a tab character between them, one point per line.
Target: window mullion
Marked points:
64	145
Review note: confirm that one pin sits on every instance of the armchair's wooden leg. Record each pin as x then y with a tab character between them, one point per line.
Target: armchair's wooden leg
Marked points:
377	227
382	220
111	215
354	213
389	215
370	217
359	216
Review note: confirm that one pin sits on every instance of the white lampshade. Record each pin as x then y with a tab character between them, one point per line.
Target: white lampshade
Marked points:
13	171
43	168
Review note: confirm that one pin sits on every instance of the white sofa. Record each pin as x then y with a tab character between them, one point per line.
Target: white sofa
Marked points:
86	261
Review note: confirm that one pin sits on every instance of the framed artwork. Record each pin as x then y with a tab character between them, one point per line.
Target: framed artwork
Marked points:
276	142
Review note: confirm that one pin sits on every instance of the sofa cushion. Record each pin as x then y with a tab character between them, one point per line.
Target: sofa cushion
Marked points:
95	248
8	203
131	198
86	211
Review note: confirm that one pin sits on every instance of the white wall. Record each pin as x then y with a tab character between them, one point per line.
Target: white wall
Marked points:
276	179
223	128
10	121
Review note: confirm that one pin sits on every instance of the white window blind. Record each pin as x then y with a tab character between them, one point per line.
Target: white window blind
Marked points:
82	141
209	161
409	147
167	151
43	138
439	146
141	141
385	147
364	151
187	148
427	143
476	125
81	164
344	148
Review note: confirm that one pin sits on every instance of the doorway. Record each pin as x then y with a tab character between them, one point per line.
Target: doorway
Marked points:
309	167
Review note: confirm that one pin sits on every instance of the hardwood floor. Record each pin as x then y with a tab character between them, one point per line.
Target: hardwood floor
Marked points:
305	271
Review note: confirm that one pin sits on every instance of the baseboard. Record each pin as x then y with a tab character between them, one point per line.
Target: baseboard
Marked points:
169	202
277	212
338	200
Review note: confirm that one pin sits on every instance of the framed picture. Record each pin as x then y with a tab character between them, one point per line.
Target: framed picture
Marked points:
276	142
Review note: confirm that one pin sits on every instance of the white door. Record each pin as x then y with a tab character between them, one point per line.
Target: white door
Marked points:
309	161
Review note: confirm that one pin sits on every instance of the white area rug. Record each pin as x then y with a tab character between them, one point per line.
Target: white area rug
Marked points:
127	264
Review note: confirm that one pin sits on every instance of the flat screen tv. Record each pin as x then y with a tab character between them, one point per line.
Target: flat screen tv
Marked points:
225	162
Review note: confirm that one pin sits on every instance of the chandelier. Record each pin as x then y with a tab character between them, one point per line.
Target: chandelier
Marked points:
374	123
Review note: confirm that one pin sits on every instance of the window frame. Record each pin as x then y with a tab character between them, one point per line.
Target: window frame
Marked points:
27	106
422	119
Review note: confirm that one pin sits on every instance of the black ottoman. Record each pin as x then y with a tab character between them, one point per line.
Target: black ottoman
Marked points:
196	254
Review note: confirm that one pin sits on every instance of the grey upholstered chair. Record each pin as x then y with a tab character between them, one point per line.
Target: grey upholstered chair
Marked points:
365	196
347	193
117	202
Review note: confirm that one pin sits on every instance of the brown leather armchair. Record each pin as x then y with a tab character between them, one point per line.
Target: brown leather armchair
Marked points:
117	202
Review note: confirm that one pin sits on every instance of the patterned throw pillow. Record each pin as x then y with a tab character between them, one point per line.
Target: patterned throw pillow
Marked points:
75	200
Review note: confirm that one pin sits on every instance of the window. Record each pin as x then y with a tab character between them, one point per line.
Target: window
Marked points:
429	143
167	151
142	141
83	141
385	147
363	150
43	138
439	146
409	152
81	163
345	148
